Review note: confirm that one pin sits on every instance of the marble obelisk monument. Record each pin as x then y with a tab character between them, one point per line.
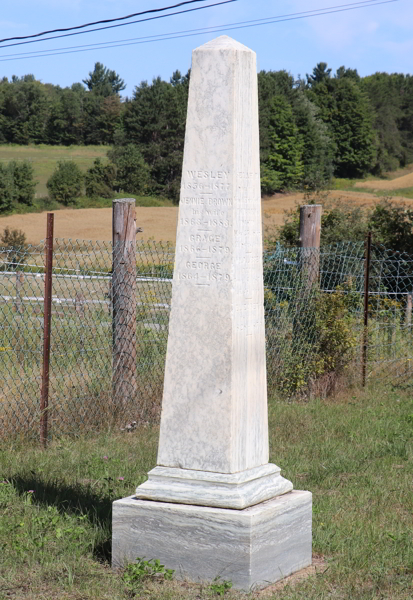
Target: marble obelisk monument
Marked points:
213	505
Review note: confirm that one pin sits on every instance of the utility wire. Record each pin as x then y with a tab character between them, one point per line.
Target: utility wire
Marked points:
54	37
205	30
363	3
138	14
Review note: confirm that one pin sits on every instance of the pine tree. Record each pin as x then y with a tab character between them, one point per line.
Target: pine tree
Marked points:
284	167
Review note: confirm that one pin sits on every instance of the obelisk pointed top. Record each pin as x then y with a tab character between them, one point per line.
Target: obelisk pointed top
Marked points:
224	42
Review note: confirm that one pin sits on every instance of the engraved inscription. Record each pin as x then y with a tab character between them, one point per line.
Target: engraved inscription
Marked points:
207	222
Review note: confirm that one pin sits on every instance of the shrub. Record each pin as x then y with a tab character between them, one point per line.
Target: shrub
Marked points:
23	181
132	172
99	180
6	189
65	185
13	242
309	356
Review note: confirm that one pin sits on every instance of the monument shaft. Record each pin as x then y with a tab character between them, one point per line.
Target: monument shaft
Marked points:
213	506
214	411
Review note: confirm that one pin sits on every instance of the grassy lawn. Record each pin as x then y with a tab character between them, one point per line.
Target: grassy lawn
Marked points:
354	453
45	158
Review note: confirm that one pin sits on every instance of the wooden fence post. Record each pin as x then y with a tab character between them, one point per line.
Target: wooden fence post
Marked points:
123	297
310	232
44	398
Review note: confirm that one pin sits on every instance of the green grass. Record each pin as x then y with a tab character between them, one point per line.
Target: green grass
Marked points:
353	453
347	185
45	204
404	192
44	159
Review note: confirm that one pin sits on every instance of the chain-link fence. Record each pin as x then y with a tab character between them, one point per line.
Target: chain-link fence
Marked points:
97	332
316	311
109	331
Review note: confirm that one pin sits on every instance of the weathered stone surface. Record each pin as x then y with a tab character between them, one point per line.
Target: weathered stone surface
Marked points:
214	409
214	507
252	547
233	490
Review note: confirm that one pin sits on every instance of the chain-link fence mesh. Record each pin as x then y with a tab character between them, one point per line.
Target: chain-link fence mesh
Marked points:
90	348
109	331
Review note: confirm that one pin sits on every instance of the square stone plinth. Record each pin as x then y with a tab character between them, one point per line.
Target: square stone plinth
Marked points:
252	547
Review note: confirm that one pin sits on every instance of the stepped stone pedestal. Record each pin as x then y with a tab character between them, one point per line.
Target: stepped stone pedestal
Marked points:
213	506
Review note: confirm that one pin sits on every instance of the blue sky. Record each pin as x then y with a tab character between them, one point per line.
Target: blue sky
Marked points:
374	38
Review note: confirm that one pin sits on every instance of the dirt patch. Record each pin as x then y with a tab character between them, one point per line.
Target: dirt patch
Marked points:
383	184
95	224
158	223
318	567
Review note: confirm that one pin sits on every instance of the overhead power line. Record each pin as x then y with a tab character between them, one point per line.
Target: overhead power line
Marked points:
138	14
200	31
180	12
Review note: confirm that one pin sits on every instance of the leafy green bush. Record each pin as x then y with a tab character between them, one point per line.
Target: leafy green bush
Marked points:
16	184
65	185
391	224
132	172
309	356
99	180
6	189
23	181
13	242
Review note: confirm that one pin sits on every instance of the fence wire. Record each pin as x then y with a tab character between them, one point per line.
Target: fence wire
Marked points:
87	353
109	330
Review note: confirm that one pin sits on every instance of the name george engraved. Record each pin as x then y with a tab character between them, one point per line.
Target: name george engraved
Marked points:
206	266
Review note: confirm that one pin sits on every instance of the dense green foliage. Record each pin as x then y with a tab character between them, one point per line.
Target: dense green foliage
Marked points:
17	184
391	225
66	183
99	180
154	120
131	172
283	168
325	124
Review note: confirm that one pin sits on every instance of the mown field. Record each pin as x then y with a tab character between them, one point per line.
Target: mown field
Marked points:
157	216
45	158
353	453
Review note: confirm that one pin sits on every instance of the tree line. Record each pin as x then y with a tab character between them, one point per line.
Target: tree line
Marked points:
312	128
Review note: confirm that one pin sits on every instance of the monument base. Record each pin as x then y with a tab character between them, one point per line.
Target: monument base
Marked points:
223	490
252	547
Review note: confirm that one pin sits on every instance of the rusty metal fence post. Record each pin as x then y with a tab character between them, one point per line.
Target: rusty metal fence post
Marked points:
367	258
44	399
